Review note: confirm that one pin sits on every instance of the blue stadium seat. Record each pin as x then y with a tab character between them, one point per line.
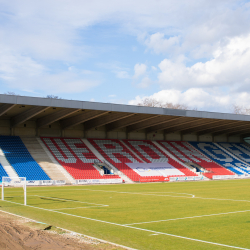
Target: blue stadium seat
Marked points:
234	170
20	158
221	157
240	150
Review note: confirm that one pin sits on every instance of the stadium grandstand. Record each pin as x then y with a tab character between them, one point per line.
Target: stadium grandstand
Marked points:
56	141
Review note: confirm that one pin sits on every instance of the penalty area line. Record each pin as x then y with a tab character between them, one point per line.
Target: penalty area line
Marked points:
192	217
151	194
136	228
73	208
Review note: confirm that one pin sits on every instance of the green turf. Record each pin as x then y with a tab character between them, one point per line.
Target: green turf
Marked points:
112	207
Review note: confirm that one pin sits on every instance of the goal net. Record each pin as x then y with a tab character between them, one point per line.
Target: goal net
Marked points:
14	182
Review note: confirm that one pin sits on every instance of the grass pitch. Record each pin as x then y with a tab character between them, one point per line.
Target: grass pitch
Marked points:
185	215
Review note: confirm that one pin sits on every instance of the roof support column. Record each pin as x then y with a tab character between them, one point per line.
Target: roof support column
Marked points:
84	134
106	133
62	133
127	134
198	138
38	132
181	137
165	136
242	139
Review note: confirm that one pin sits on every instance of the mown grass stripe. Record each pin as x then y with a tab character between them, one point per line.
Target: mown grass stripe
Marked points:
136	228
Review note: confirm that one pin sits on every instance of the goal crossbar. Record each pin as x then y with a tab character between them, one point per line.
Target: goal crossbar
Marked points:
15	182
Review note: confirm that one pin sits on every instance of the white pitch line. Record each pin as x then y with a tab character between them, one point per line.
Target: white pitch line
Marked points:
138	193
183	218
149	193
75	207
171	193
136	228
167	193
193	197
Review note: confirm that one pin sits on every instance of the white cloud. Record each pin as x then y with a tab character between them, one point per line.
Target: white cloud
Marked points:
140	69
12	65
64	82
228	67
52	29
145	82
159	44
115	67
37	35
122	74
200	99
23	73
202	26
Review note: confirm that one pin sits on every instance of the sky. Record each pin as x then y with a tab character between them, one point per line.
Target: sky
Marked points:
187	51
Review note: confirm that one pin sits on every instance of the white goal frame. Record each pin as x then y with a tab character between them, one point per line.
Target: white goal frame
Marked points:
15	182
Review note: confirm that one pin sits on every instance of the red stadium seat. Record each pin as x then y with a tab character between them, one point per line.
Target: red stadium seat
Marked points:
75	157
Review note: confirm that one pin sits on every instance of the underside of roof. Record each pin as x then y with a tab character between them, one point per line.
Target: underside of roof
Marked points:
67	114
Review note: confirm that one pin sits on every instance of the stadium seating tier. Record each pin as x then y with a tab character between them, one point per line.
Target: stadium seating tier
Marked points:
75	157
221	157
149	152
118	155
187	153
72	153
20	159
240	150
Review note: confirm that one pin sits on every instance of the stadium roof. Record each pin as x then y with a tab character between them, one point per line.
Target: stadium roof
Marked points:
46	111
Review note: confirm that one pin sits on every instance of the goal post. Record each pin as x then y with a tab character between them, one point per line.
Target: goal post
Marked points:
15	182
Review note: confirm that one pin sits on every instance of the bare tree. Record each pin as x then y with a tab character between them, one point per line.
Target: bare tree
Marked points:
151	102
241	110
53	97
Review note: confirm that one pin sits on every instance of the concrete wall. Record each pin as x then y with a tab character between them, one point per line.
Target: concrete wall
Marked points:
173	137
234	139
117	135
220	138
29	129
137	136
155	136
190	137
206	138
